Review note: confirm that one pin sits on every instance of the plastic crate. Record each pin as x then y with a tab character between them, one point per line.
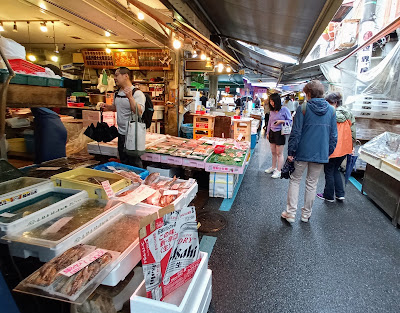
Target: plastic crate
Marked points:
253	141
19	79
37	80
95	191
25	66
187	131
54	82
119	166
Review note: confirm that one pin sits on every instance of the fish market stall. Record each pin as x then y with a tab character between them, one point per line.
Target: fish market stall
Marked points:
382	176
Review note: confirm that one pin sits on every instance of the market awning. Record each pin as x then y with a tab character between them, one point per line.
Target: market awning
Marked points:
287	26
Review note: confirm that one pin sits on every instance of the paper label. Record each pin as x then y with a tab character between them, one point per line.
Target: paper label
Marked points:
170	192
138	195
82	263
7	215
107	188
57	225
112	168
240	137
48	168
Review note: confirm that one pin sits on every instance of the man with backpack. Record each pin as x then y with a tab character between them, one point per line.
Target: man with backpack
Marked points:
126	100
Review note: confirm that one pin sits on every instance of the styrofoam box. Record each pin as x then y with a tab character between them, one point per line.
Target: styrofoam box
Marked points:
192	297
171	160
11	198
391	169
193	163
370	107
166	172
362	113
179	203
91	115
42	248
222	178
128	259
152	157
93	147
221	190
47	213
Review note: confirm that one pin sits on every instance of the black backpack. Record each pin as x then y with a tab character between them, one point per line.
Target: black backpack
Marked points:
147	115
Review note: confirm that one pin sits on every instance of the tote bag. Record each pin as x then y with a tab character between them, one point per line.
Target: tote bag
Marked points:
286	128
135	139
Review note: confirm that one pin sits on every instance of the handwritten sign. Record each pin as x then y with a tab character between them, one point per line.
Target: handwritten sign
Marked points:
57	225
138	195
82	263
107	188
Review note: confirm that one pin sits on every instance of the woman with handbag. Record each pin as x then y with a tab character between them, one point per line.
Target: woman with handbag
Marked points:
346	128
279	124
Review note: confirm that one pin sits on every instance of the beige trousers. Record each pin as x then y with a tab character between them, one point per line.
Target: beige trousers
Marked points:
313	172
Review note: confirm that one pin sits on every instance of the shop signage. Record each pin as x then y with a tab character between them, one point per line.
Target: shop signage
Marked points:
227	89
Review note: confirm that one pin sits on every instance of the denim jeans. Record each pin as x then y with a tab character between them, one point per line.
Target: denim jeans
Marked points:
333	179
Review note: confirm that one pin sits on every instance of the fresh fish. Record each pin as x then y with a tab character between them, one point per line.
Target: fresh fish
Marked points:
152	178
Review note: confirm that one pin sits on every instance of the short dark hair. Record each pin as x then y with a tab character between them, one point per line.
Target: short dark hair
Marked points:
315	89
124	70
287	98
334	97
277	102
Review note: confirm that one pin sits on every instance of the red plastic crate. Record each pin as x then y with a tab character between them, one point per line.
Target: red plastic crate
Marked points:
27	67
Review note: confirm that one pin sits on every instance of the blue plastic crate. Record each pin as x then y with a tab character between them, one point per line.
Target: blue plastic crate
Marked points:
119	166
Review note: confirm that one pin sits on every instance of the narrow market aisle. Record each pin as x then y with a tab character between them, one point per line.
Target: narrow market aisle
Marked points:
346	259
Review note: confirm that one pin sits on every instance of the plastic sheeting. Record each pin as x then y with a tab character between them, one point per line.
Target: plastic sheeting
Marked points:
385	146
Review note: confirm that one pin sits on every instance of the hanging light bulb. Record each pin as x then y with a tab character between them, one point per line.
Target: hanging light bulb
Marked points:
108	50
31	58
1	27
107	34
228	69
194	53
15	29
43	27
177	43
203	56
56	51
54	58
208	64
140	16
220	66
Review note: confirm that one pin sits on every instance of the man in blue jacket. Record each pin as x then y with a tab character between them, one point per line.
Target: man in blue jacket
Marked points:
312	141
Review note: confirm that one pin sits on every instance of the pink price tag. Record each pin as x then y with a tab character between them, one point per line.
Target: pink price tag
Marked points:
82	263
107	188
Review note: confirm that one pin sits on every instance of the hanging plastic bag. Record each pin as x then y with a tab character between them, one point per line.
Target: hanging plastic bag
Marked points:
135	139
286	128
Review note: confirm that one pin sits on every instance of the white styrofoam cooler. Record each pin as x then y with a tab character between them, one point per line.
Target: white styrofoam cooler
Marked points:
46	250
17	196
375	161
222	185
47	213
192	297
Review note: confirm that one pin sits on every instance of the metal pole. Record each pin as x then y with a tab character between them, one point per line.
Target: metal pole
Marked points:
178	62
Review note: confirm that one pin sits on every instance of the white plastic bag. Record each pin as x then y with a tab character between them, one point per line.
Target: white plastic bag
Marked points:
135	138
12	49
286	128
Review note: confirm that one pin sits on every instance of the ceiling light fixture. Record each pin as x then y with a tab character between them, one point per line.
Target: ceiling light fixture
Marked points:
31	58
228	69
43	27
177	43
140	16
54	58
108	50
194	54
107	34
203	56
56	51
15	29
1	27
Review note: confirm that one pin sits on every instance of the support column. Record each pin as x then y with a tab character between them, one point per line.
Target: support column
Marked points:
213	93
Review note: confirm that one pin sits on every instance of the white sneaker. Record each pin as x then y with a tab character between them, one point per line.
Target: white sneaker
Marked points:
270	170
288	217
276	174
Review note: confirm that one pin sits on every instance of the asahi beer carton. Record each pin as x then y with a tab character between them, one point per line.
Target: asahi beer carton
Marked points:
169	246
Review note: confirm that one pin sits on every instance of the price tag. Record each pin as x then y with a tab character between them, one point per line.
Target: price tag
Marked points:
112	168
82	263
7	215
48	168
170	192
240	137
57	225
107	188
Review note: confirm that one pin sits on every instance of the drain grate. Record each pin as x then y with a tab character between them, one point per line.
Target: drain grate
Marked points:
211	222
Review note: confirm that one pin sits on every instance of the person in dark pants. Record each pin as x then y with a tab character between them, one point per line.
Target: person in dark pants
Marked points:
203	99
50	135
125	103
346	137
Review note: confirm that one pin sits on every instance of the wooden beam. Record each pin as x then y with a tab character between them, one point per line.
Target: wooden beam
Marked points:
25	96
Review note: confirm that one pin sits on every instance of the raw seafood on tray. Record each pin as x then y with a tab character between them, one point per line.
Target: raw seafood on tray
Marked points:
229	157
69	274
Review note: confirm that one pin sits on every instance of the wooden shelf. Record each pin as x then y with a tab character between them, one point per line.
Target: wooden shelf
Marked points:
26	96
